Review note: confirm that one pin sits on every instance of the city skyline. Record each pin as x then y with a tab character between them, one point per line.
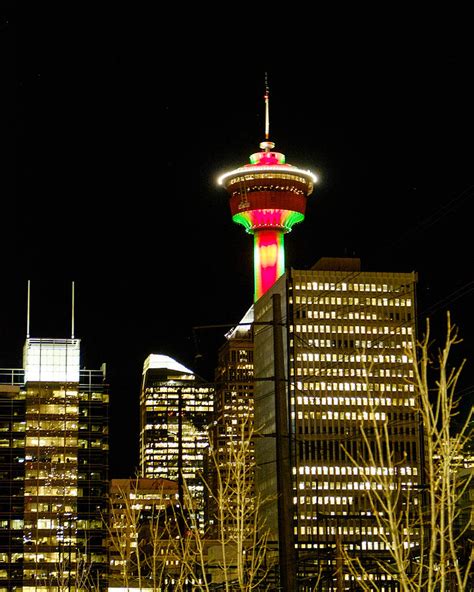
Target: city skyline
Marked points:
114	185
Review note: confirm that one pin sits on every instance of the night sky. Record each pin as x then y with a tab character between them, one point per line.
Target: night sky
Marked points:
114	137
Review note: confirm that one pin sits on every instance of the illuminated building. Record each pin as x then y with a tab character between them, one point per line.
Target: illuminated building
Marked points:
53	468
347	361
137	528
268	197
232	426
175	410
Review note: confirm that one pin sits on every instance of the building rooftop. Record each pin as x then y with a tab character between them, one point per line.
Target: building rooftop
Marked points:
162	362
337	264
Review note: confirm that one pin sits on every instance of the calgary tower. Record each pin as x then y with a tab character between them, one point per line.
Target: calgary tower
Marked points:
268	196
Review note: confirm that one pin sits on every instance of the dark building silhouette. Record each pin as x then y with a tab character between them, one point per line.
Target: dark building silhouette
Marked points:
231	431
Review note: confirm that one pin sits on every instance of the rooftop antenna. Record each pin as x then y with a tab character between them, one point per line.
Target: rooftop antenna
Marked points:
267	145
72	313
28	312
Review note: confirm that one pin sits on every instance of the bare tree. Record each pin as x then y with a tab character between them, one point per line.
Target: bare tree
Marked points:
166	548
416	521
139	531
233	552
77	577
241	534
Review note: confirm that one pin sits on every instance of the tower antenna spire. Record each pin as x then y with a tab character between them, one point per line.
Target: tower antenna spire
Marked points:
267	108
72	310
267	145
28	311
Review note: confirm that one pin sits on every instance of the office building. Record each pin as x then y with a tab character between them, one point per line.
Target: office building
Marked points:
232	467
175	411
54	469
139	532
347	365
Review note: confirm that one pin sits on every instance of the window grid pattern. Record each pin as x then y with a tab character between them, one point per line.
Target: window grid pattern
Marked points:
54	459
175	410
232	426
350	363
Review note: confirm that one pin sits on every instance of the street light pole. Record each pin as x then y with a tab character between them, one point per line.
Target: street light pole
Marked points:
286	544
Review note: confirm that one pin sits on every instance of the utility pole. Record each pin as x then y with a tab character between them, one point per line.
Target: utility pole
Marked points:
180	520
180	449
286	545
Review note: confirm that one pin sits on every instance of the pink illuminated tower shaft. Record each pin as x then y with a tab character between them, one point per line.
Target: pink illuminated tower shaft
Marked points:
268	197
269	259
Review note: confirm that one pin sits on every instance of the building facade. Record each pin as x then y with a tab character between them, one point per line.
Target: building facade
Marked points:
232	465
54	463
175	411
348	368
139	533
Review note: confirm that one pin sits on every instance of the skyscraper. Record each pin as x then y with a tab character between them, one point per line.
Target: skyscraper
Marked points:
347	352
54	463
231	431
175	410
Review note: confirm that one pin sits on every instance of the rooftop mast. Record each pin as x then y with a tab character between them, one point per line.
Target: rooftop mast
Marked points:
28	312
72	313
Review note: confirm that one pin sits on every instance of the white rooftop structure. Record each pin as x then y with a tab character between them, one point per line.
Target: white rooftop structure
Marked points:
160	361
243	327
51	360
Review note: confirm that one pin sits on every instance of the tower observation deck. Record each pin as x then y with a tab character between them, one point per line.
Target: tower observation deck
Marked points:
268	197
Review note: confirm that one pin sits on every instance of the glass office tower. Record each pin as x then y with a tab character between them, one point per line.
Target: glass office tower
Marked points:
54	459
175	411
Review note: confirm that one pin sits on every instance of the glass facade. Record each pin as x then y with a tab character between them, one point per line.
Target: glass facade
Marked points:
12	484
56	464
175	410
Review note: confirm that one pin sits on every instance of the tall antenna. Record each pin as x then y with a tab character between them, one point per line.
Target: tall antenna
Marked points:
28	312
72	313
267	145
267	108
